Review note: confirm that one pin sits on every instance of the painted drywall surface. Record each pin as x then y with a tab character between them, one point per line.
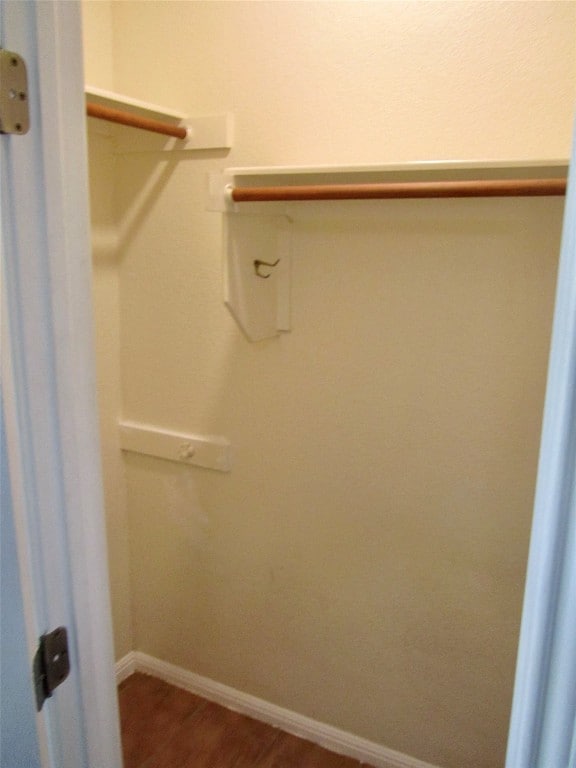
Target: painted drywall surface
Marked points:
107	342
97	24
363	563
350	82
97	40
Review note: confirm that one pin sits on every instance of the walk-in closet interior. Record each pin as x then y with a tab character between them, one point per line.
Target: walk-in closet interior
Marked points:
319	491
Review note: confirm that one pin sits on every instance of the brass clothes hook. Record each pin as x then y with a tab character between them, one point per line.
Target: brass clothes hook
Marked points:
258	263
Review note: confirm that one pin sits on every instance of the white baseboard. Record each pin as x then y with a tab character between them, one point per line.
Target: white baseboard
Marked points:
327	736
125	667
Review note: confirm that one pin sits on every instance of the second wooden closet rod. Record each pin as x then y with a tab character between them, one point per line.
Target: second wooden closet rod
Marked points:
399	190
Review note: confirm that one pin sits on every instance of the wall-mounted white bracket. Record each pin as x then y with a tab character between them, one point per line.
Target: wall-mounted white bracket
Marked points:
208	451
257	295
257	273
205	132
260	231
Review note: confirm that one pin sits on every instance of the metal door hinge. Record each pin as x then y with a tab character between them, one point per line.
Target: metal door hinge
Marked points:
51	664
14	116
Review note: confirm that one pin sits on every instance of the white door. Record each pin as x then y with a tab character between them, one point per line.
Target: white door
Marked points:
543	724
19	747
48	392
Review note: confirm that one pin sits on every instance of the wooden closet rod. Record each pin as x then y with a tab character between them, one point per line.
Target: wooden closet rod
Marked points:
413	189
135	121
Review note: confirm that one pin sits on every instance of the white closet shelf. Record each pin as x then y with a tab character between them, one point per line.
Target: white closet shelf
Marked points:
119	101
220	198
416	166
258	217
205	132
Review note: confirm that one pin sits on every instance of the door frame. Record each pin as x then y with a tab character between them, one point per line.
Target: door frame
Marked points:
48	383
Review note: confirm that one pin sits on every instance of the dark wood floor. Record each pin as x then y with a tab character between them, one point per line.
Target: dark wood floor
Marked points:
166	727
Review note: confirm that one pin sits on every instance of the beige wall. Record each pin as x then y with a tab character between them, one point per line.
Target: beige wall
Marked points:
97	31
98	64
351	82
363	563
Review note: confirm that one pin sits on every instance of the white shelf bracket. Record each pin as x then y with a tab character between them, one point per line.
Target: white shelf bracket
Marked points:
203	132
257	256
258	234
254	236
